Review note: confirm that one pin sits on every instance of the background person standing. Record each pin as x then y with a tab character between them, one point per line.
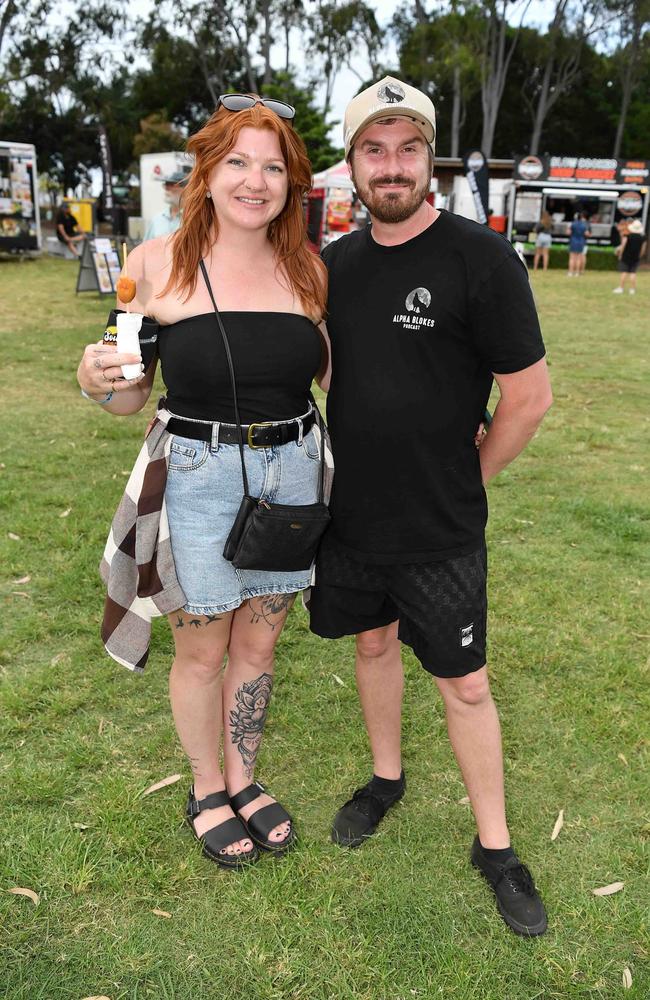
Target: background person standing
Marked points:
578	232
543	229
629	253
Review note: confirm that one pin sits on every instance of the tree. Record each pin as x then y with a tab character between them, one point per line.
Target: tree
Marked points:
438	53
559	62
634	18
497	47
156	135
335	34
310	122
50	67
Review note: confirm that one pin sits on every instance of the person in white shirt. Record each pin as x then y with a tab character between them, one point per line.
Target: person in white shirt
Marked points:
169	220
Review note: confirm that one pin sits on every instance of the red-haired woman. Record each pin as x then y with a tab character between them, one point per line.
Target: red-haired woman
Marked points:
243	217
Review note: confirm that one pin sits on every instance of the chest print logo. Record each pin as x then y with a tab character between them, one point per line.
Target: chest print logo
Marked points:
416	302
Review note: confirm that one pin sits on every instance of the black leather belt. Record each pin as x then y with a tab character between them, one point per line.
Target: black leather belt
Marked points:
262	435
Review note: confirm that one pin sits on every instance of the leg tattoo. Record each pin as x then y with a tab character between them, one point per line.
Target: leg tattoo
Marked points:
265	607
248	718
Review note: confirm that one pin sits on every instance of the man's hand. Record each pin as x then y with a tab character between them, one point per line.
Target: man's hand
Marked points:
525	398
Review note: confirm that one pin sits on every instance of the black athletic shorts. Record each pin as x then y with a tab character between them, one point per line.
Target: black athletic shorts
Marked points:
441	606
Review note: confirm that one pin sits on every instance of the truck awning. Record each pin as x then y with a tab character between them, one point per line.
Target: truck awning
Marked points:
607	194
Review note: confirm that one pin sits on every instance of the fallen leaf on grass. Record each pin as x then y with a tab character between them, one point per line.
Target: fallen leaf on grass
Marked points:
80	826
161	913
627	979
35	898
23	579
100	728
559	823
464	801
19	593
338	680
608	890
13	536
171	780
97	998
125	472
64	513
56	659
621	756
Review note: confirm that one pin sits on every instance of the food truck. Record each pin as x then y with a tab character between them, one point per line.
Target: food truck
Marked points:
610	191
20	223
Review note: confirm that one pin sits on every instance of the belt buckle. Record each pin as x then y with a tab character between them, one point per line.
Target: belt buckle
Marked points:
249	439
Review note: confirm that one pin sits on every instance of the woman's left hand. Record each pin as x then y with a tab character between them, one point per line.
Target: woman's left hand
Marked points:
479	437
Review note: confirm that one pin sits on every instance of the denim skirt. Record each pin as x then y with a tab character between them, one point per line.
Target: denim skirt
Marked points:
203	493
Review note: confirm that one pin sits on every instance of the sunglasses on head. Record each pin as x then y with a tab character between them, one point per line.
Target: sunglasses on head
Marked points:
243	102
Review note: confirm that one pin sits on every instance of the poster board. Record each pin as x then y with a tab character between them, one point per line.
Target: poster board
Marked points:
19	214
101	263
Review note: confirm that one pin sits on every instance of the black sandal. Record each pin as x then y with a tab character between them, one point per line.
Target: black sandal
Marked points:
229	832
264	820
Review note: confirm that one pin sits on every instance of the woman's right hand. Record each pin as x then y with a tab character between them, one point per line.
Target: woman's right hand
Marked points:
100	371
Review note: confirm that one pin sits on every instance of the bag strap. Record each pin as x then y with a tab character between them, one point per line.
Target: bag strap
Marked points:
321	477
232	376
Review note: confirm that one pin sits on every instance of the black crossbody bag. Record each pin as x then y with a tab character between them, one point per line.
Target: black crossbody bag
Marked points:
274	536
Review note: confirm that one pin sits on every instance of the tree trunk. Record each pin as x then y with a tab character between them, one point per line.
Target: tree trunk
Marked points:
8	13
495	60
628	82
542	106
265	10
422	19
455	113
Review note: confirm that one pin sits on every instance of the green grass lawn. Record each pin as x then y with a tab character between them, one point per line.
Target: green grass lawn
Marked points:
406	916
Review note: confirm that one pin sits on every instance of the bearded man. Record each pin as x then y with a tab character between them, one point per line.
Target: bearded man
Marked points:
425	310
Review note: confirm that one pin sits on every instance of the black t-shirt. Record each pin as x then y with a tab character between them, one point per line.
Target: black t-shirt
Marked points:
417	330
66	219
632	248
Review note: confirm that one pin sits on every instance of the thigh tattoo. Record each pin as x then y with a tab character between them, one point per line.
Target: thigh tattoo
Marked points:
265	608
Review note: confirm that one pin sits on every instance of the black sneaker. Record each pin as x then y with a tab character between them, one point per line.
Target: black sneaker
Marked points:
360	816
519	902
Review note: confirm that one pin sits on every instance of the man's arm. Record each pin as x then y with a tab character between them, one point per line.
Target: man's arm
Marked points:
525	398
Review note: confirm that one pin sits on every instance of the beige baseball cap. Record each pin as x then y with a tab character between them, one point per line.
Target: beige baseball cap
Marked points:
390	98
636	226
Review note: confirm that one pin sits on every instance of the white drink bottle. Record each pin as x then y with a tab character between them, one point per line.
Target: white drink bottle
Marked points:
128	340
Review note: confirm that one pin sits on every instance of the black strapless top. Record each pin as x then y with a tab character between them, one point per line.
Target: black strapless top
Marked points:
275	356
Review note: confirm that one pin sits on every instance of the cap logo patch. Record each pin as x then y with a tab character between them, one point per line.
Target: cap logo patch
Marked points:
391	93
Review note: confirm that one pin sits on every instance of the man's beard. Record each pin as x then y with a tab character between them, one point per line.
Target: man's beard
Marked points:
392	207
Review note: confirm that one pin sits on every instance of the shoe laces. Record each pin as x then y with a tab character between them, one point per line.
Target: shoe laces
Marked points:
519	877
366	802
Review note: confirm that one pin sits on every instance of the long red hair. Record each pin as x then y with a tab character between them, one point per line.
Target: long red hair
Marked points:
287	232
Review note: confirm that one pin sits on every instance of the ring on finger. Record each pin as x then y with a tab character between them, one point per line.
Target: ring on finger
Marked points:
106	379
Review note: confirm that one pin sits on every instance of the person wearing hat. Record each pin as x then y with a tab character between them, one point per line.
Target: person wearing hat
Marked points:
629	252
425	309
169	220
